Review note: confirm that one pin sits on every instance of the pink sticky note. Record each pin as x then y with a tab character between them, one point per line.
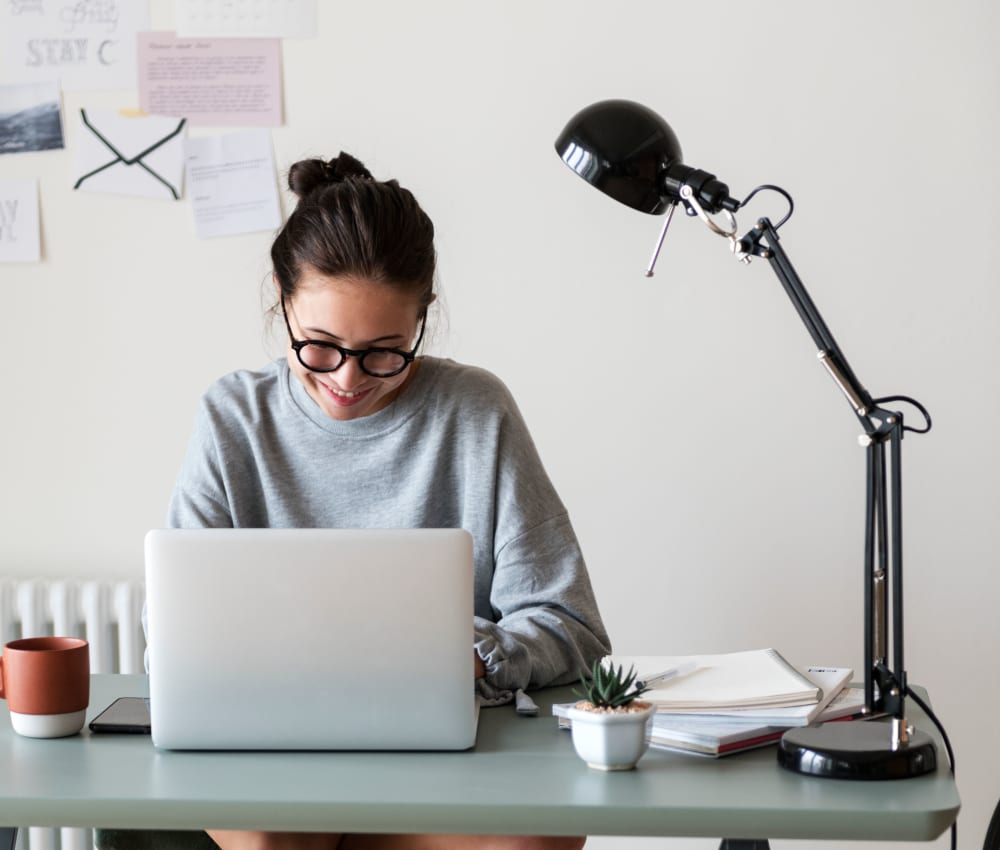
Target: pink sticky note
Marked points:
211	82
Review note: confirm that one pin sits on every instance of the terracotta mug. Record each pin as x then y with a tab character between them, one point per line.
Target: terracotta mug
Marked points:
46	682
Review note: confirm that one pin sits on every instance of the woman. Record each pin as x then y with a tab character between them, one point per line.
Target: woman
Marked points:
354	429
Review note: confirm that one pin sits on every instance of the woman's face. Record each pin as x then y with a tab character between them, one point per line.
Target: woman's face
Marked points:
356	315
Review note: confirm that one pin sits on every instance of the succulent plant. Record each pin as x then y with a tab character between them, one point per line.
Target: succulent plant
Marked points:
610	687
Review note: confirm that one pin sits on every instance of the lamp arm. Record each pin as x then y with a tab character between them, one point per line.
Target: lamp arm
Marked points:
762	241
885	684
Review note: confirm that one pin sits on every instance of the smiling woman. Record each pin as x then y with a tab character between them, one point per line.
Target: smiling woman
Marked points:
354	268
350	382
353	428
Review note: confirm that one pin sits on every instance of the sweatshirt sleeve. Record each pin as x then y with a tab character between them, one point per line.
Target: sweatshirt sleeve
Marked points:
548	627
199	498
543	625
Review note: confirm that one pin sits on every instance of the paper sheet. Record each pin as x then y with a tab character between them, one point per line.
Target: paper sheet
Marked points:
30	118
232	183
120	155
756	678
85	44
227	18
20	240
211	82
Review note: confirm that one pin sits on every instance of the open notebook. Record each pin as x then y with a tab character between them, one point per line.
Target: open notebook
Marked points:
311	639
756	678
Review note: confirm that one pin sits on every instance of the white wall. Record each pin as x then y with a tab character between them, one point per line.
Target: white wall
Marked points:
710	466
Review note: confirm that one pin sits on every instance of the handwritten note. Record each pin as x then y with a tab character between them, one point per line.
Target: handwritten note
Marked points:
232	183
19	230
215	82
227	18
85	44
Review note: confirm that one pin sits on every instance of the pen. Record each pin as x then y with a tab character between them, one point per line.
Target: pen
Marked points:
667	675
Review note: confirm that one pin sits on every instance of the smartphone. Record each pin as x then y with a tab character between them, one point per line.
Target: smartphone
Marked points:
125	714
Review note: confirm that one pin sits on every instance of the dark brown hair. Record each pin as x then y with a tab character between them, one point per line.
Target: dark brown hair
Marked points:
347	224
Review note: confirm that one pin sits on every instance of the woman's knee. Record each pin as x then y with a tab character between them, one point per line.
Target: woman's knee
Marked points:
462	842
542	842
248	840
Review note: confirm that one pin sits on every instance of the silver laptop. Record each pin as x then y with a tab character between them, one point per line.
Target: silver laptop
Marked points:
310	639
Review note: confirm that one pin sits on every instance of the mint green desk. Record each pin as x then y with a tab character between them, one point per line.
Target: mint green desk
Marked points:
522	777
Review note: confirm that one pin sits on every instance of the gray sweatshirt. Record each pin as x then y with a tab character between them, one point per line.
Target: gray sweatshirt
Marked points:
451	452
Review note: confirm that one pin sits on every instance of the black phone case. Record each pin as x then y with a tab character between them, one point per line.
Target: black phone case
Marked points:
129	715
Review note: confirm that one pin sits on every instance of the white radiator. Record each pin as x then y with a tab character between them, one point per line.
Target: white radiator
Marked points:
107	614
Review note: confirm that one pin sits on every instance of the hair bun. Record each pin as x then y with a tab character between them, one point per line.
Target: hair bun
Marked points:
344	166
308	175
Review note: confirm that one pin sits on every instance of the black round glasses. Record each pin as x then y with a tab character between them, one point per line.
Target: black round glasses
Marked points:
323	356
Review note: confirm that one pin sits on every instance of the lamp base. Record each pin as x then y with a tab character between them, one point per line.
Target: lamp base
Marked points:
855	749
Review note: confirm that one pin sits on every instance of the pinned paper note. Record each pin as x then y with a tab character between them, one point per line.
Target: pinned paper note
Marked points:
82	43
227	18
20	240
211	82
232	183
122	154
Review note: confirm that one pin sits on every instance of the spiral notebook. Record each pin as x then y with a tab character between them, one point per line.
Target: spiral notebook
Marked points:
756	678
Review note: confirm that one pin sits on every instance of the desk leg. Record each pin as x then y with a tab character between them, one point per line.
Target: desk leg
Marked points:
744	844
8	837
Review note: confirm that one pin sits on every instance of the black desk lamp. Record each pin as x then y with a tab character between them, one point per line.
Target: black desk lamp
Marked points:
630	153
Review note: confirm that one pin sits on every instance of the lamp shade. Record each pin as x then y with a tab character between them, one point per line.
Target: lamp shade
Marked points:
624	149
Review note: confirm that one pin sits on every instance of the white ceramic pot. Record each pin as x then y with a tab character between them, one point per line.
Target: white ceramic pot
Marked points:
610	740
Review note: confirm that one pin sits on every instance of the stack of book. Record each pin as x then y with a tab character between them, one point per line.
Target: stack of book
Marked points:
731	702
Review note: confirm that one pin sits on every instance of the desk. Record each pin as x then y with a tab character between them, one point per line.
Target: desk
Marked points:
522	777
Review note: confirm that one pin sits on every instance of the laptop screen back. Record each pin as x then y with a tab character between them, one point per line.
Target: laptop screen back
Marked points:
310	639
